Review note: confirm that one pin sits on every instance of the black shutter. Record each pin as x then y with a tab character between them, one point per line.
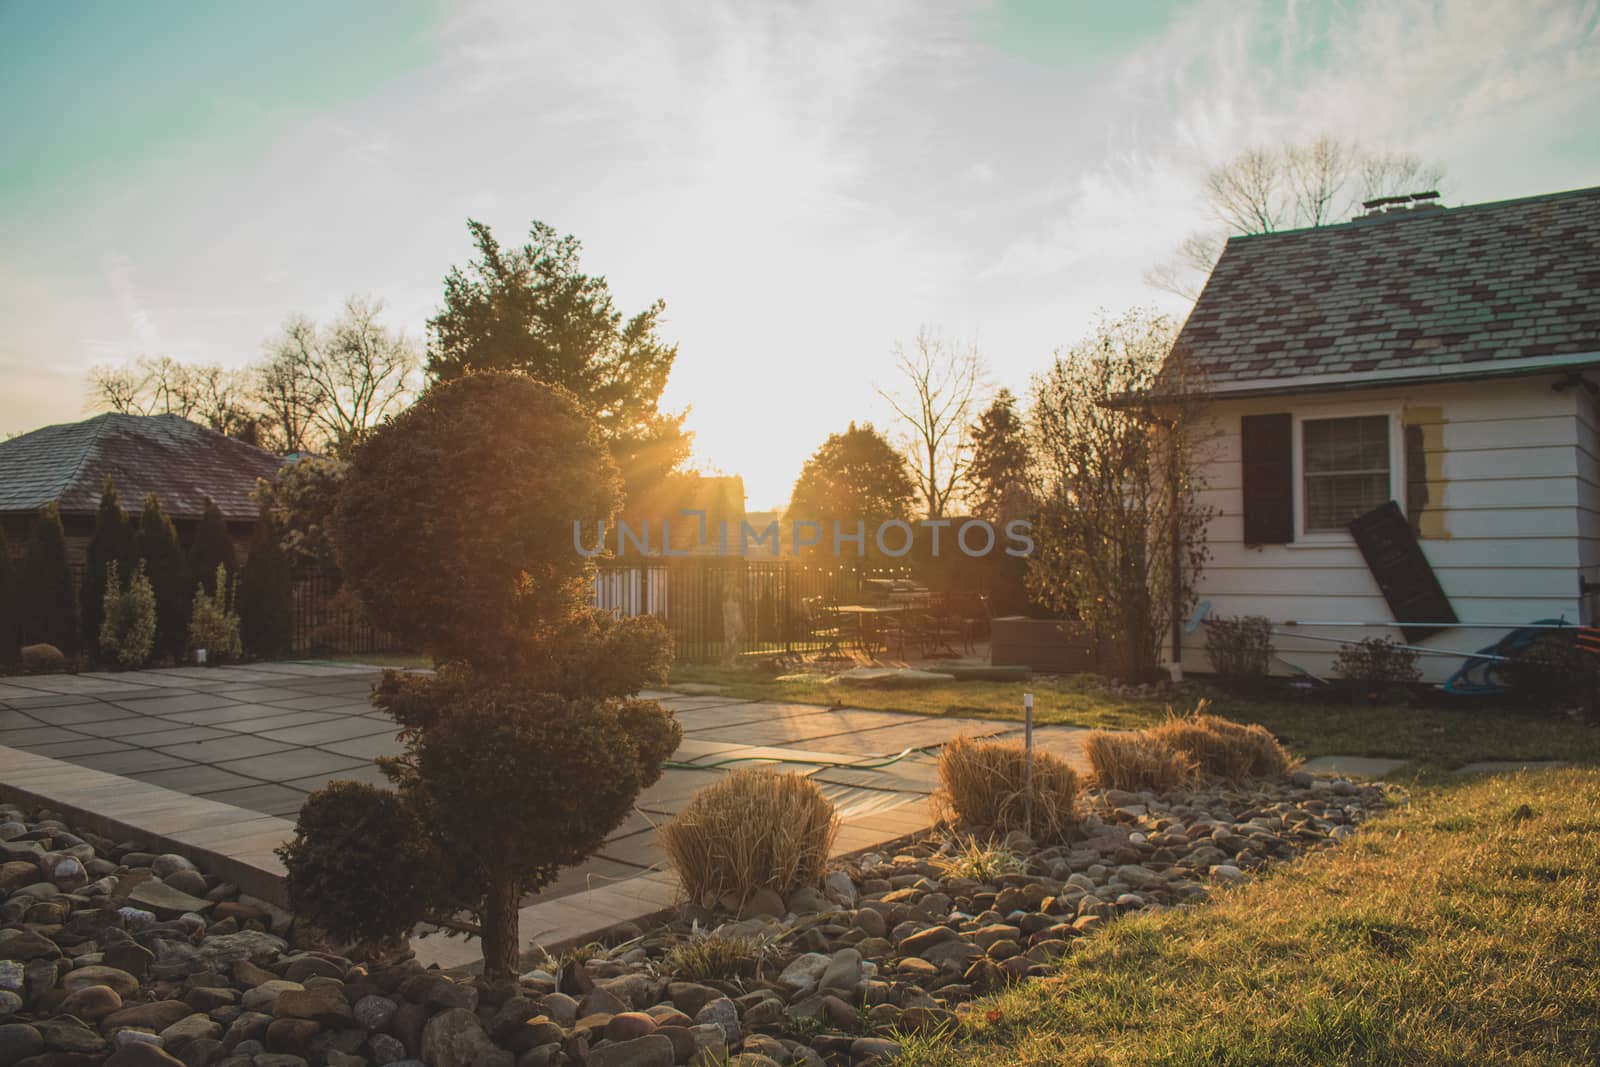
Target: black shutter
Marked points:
1266	452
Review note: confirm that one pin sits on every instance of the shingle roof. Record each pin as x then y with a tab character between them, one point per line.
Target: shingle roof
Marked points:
1451	291
182	462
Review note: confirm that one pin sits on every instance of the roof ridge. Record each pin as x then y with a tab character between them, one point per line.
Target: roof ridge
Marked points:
100	422
1443	212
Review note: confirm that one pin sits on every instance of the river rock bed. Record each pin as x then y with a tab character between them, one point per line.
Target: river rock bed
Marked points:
114	955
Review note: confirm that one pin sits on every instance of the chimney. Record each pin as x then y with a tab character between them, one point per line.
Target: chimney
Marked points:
1404	204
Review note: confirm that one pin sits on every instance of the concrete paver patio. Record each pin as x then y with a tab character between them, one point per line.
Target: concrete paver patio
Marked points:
263	736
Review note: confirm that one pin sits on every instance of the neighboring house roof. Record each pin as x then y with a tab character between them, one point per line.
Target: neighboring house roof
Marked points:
182	462
1424	293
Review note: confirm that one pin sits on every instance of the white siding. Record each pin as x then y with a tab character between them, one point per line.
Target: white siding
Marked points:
1514	512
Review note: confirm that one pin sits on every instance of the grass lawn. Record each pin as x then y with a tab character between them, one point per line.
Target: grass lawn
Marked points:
1448	738
1461	929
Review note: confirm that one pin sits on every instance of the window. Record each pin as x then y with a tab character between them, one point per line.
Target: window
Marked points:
1346	466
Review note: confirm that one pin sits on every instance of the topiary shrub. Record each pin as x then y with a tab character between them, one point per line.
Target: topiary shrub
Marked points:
157	543
1377	661
1240	650
10	607
454	527
983	784
213	624
455	523
112	543
360	864
48	609
128	618
515	783
266	594
1135	762
43	659
754	829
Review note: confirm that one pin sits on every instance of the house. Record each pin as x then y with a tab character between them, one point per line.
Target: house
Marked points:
180	461
1431	372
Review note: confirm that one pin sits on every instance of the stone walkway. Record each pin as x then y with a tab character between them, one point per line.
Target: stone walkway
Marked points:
261	737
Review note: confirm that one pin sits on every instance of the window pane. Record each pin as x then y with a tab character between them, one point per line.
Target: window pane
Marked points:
1346	469
1360	444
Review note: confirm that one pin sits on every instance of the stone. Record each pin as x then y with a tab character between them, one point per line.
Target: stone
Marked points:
69	1035
373	1011
154	1015
807	901
804	971
386	1049
293	1036
278	1059
653	1050
601	1002
165	901
762	901
251	946
202	1052
263	996
92	1002
25	945
169	863
633	990
1138	877
690	997
873	1049
10	1003
454	1038
249	1026
840	889
563	1010
18	1042
191	882
722	1012
189	1028
870	922
142	1054
129	956
326	1006
100	975
843	971
629	1025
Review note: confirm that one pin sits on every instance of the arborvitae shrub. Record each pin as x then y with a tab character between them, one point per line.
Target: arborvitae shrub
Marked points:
113	542
128	617
266	594
10	606
49	609
211	548
168	574
1240	649
213	622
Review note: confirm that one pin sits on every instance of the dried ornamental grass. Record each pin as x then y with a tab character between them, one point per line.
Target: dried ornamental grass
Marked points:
755	829
1223	748
983	785
1135	762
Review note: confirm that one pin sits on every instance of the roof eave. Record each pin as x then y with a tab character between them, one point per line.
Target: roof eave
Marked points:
1428	375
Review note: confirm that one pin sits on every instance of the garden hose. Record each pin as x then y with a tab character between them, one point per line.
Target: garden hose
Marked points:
682	766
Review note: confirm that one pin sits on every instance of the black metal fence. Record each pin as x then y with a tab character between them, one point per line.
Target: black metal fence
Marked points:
328	620
719	607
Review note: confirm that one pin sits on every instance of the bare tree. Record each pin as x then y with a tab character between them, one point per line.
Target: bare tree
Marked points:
207	392
936	409
283	391
327	386
1314	183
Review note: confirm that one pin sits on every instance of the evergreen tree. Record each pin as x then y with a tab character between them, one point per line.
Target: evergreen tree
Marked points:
49	610
265	599
113	542
10	608
1000	459
212	547
164	566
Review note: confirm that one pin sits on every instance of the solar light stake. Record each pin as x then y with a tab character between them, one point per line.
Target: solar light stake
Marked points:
1027	762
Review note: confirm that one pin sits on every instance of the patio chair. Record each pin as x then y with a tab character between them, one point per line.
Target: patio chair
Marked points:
944	627
823	624
972	609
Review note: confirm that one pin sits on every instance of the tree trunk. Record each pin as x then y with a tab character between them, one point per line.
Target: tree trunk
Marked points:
500	939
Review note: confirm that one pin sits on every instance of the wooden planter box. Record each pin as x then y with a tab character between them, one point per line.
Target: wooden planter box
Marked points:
1049	645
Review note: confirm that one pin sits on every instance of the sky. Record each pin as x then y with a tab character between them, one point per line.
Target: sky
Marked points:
805	185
